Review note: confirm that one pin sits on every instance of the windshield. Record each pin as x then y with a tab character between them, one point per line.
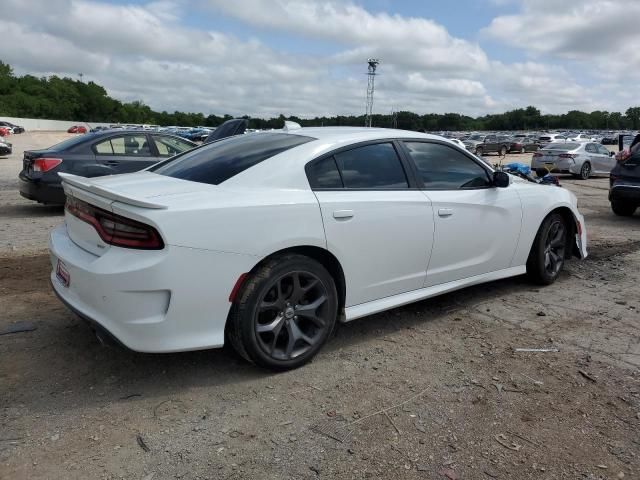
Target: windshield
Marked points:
217	162
476	137
562	146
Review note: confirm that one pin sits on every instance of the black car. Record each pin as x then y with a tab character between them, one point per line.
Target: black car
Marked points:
624	179
16	128
93	155
5	147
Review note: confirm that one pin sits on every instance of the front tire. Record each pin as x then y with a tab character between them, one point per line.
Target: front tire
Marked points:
623	209
285	313
547	255
503	152
479	151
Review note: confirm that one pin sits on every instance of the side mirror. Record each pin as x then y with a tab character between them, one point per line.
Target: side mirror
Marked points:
501	179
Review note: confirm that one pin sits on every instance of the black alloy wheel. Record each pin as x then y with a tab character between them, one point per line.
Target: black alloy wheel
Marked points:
284	312
293	315
548	253
554	248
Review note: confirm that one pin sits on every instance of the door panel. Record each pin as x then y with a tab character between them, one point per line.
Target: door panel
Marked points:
382	239
477	233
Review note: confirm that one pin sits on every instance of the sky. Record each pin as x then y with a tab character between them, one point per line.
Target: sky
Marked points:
308	58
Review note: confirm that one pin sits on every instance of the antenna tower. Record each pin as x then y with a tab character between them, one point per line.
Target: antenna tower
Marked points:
372	66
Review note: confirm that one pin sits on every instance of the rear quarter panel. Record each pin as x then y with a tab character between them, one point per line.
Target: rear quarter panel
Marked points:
243	221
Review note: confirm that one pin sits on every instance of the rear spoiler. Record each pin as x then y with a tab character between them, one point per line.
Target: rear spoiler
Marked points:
87	185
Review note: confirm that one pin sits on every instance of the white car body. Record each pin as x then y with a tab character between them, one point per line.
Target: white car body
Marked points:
582	138
394	246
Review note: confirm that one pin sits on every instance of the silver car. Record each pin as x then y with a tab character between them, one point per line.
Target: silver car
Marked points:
579	159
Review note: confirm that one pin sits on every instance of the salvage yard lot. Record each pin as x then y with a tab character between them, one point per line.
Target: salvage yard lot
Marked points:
431	390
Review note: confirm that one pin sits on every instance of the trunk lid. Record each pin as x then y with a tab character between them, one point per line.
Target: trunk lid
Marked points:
143	190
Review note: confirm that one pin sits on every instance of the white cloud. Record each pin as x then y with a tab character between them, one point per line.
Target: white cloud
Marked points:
151	52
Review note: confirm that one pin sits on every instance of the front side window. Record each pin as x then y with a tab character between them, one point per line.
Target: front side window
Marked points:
374	166
217	162
444	168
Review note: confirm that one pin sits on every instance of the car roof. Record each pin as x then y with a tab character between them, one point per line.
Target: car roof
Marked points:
357	134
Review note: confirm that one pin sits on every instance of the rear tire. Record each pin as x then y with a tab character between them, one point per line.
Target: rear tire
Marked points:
623	209
585	171
284	314
503	151
547	255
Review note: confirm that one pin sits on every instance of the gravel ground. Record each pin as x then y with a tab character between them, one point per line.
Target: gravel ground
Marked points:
433	390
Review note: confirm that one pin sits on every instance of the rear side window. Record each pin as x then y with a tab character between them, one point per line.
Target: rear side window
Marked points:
444	168
324	174
374	166
217	162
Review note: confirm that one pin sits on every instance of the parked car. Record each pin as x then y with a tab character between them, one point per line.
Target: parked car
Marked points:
472	142
624	180
523	145
579	159
5	147
268	239
5	131
14	128
77	129
581	137
547	138
92	155
493	144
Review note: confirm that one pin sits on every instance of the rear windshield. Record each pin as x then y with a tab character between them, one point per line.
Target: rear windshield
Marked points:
562	146
69	143
217	162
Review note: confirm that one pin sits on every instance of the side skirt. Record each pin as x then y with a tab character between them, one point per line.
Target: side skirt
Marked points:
369	308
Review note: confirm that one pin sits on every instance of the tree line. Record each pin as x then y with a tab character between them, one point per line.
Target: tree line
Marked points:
58	98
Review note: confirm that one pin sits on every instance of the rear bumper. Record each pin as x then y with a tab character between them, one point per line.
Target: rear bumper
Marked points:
561	166
176	299
625	192
42	192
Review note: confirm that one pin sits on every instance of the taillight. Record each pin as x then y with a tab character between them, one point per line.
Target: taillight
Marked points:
116	229
45	164
567	155
537	154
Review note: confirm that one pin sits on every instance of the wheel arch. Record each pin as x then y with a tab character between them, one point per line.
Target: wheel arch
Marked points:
574	226
322	256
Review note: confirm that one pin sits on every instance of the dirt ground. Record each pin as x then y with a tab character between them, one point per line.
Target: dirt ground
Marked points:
433	390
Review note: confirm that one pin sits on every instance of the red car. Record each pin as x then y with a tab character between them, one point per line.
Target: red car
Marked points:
4	131
77	129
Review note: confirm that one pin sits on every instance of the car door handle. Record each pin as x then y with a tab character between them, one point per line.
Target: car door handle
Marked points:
343	214
112	162
445	212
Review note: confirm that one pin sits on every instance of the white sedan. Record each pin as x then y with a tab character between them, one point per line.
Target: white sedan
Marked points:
268	239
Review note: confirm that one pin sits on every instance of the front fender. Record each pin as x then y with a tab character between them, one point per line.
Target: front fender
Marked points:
538	201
